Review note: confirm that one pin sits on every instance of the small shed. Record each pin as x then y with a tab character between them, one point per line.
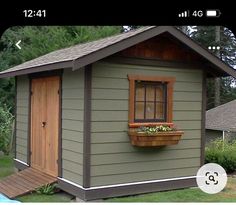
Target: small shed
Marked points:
221	122
76	106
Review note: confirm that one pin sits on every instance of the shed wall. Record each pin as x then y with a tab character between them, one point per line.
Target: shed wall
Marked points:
72	125
22	107
113	159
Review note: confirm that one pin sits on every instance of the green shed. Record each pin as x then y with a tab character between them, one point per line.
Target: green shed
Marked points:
79	111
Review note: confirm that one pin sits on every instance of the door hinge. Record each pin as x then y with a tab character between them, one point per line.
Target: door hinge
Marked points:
31	93
58	92
30	153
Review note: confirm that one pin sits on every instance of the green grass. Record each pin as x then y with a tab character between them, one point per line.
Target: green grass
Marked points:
6	166
34	197
185	195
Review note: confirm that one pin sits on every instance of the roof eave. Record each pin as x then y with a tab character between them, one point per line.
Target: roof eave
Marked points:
123	44
42	68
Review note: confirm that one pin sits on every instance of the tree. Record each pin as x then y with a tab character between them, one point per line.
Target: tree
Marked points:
217	79
207	36
37	41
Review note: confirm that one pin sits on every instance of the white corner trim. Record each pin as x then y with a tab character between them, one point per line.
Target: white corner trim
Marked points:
125	184
21	162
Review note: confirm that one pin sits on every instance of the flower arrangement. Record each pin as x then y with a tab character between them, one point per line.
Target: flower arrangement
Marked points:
153	130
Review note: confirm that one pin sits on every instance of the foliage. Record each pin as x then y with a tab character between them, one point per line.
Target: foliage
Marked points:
7	93
206	36
222	153
34	197
6	166
37	41
152	130
47	189
6	120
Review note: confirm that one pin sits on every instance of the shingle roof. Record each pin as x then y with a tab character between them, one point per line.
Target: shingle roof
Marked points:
77	51
222	117
81	55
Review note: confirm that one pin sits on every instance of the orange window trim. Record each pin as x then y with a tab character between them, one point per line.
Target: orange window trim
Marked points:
170	86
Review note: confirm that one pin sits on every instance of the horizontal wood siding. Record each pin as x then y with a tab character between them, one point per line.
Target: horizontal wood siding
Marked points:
72	125
113	159
22	105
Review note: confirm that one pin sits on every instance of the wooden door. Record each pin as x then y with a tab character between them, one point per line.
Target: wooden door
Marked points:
45	124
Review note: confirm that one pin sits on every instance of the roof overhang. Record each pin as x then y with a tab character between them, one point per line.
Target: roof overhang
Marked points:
100	54
123	44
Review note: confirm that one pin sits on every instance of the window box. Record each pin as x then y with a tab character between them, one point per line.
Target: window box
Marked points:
157	139
151	111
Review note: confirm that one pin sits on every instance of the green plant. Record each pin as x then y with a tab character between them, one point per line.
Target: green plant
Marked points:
6	120
153	130
47	189
222	153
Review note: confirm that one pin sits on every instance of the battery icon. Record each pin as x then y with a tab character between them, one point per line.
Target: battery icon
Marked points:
213	13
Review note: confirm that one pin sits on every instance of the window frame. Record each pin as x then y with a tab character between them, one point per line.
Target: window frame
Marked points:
169	98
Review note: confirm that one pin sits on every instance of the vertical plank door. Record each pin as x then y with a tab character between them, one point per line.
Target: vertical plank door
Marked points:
45	124
38	99
52	129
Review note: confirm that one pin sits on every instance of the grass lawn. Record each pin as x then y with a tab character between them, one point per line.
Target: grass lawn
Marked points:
6	166
185	195
34	197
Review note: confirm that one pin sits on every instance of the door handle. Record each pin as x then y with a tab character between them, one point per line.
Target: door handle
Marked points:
43	124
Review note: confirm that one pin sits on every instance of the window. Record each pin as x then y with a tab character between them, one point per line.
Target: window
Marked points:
151	100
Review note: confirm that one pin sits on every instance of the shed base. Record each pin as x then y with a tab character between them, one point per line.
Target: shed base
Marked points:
124	190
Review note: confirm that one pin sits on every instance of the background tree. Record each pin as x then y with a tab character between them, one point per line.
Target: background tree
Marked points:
39	40
222	90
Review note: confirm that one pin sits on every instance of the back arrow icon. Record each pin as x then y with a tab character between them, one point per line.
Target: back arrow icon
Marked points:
17	44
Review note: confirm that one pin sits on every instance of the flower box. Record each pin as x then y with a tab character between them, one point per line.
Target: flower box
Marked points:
143	139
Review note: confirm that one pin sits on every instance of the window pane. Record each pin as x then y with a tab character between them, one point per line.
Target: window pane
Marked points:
139	110
160	111
150	101
159	94
140	92
150	93
150	110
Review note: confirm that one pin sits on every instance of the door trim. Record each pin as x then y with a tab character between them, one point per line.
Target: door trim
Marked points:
58	73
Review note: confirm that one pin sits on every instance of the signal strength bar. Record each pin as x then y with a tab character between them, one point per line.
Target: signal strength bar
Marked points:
184	14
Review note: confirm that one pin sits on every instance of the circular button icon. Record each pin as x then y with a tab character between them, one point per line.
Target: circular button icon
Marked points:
211	178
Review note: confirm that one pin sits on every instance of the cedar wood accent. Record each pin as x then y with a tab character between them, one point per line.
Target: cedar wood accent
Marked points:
170	82
41	75
87	125
164	47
